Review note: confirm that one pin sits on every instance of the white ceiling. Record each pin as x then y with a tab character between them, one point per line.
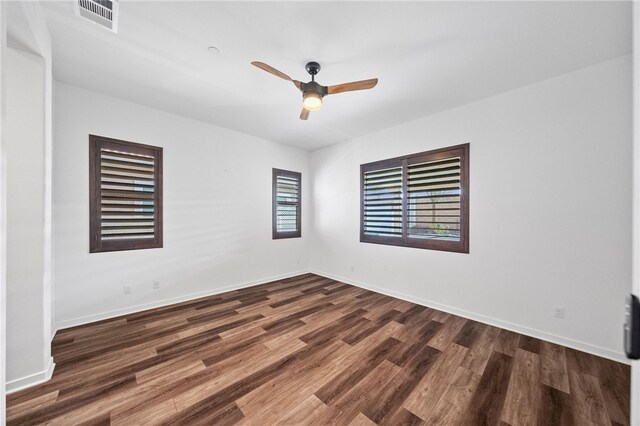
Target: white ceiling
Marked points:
429	57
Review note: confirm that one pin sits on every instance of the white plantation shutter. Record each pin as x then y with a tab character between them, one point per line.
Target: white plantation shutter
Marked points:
126	194
420	200
286	204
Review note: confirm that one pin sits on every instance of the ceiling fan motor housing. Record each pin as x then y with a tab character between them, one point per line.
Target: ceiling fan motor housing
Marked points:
312	86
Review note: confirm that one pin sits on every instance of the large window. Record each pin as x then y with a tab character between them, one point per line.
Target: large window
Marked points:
125	199
419	200
286	204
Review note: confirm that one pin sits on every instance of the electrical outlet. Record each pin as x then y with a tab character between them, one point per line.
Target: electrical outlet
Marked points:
127	289
156	285
558	312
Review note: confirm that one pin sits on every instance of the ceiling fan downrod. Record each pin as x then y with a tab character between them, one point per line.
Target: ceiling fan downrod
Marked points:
312	68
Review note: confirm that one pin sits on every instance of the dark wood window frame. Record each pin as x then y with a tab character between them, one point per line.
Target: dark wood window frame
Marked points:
274	199
96	242
404	162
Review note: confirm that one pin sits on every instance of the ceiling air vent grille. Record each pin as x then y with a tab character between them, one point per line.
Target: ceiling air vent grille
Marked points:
102	12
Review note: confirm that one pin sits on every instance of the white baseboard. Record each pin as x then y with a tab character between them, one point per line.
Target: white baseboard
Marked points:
564	341
32	379
159	303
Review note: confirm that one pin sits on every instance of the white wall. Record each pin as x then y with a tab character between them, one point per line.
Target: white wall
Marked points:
27	111
635	285
3	217
28	351
217	210
550	210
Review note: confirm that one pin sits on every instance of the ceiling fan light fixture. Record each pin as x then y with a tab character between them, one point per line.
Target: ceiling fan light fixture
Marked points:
312	101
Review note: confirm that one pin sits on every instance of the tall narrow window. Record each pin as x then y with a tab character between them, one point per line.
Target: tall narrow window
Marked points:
125	199
420	200
382	201
286	204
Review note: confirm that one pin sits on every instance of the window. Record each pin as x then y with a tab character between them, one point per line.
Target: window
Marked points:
286	204
125	199
420	200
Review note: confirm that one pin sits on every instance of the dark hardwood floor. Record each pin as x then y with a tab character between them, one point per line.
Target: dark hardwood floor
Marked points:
310	350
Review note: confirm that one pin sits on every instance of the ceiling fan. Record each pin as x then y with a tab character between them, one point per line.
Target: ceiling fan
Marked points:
312	92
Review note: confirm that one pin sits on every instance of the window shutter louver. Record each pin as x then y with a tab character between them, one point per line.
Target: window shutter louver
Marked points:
382	198
126	189
434	200
419	200
286	204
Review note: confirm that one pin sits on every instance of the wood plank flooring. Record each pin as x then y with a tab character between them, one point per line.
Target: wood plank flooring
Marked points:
310	350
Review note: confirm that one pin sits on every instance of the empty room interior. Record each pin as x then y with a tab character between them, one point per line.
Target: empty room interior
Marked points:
319	212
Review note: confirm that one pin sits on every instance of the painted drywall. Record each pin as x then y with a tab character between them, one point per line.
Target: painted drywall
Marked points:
217	210
28	350
635	285
550	210
3	219
27	106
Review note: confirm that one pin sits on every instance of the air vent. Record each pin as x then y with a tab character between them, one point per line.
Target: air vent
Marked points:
102	12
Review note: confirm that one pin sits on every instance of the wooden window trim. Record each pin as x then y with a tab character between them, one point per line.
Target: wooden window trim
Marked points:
96	244
277	235
461	246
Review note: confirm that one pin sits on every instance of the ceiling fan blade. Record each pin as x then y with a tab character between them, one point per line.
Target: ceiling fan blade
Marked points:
272	70
354	85
304	114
